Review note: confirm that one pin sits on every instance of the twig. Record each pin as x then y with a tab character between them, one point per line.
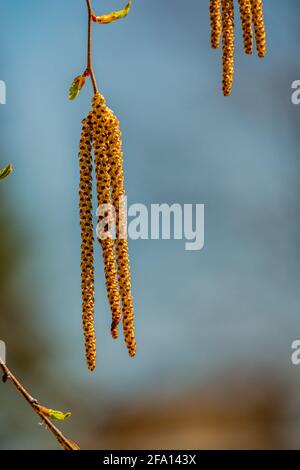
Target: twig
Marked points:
8	375
89	69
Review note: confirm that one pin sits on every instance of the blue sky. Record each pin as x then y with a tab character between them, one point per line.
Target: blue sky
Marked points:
235	302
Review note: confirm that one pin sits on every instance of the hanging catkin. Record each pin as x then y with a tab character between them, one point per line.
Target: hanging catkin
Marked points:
118	194
110	189
246	20
87	238
228	45
101	133
259	27
101	117
215	23
222	24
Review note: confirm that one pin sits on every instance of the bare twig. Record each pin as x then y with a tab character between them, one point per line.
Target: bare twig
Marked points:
63	441
89	69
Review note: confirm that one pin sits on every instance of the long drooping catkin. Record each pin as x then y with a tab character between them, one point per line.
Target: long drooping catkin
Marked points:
118	194
259	27
109	169
87	251
246	20
101	116
228	45
215	23
222	24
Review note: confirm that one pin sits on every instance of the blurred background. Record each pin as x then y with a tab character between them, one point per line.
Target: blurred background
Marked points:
214	327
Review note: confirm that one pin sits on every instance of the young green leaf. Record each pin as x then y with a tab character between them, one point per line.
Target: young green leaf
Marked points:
53	414
6	171
59	415
76	86
113	16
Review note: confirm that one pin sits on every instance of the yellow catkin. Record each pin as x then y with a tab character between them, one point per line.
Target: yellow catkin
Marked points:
215	23
118	194
87	251
259	27
101	116
246	20
228	45
112	138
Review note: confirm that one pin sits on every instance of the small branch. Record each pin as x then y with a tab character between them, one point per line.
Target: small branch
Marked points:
8	375
89	69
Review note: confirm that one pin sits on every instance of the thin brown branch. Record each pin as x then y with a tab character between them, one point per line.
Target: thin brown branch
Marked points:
8	375
89	69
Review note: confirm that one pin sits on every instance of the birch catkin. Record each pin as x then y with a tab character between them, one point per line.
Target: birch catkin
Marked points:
101	133
215	23
87	238
259	27
118	194
222	24
228	45
101	116
246	20
110	190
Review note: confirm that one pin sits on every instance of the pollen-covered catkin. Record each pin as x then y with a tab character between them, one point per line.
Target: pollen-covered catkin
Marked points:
228	45
101	116
87	238
259	27
118	194
246	20
215	23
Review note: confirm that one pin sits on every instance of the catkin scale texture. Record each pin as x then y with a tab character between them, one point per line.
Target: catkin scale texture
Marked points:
87	239
100	118
118	193
222	25
259	27
115	167
246	20
228	45
215	23
101	132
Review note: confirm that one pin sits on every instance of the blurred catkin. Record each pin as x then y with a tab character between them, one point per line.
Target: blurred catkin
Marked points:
101	128
228	45
215	23
222	24
246	20
259	27
87	238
